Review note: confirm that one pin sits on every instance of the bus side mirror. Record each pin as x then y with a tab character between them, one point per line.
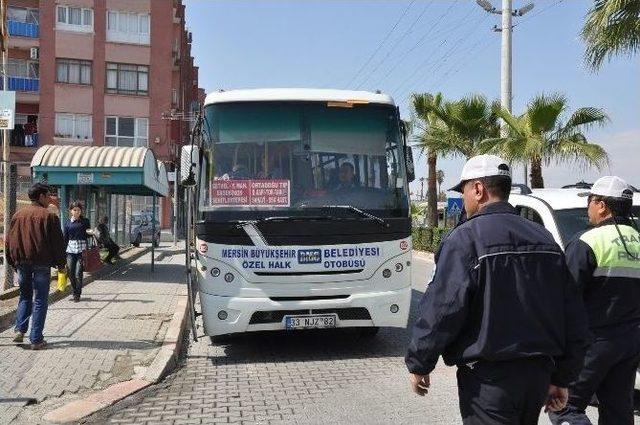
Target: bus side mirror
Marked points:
411	169
189	165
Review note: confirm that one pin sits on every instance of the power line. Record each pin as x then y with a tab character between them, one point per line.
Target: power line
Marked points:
392	49
539	12
406	54
404	13
436	63
465	59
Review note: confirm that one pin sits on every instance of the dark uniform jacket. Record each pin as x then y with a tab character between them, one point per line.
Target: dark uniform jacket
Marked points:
501	291
608	276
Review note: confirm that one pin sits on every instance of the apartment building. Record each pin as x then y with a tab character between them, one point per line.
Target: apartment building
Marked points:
101	72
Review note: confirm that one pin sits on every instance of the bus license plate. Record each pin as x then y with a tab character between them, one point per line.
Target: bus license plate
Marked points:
310	322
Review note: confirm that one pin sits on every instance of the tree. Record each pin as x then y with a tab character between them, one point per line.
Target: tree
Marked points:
440	178
539	136
430	128
451	128
612	28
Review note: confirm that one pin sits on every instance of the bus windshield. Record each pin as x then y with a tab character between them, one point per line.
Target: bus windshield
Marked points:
292	157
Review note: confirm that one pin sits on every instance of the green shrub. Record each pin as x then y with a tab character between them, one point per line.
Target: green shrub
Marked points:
428	238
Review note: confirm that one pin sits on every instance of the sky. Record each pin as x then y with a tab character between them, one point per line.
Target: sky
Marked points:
414	46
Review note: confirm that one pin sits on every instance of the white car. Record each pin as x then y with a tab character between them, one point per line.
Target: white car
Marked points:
562	212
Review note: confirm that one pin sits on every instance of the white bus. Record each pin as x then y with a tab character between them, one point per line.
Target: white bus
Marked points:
301	211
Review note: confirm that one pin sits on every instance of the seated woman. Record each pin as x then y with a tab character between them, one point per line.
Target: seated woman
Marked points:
105	241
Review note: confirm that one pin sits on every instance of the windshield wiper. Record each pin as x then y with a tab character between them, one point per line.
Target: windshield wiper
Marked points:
358	211
242	223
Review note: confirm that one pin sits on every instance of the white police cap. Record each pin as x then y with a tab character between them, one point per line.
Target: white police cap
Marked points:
610	187
482	166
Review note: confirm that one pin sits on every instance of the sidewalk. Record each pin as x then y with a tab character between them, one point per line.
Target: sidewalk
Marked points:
113	335
10	297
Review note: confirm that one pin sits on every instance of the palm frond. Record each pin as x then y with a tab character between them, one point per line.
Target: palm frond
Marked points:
584	119
576	149
612	28
544	111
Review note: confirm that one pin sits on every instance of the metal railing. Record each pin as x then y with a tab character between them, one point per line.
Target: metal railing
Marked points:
23	84
23	29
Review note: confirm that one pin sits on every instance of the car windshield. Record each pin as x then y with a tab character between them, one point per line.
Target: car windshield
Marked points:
290	157
575	220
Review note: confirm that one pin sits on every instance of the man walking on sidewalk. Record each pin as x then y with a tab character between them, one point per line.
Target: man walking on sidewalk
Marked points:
34	243
502	307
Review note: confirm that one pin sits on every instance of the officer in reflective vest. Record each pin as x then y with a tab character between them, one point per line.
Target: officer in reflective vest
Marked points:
605	261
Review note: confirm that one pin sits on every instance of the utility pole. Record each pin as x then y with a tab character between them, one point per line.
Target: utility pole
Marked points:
506	29
8	272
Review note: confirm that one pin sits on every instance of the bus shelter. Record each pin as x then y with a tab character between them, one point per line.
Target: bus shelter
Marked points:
94	174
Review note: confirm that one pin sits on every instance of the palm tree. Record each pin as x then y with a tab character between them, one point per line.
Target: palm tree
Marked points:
539	136
430	128
451	128
440	178
612	28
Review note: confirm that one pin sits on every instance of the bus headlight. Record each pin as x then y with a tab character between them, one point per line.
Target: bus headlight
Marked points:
399	267
222	315
229	277
386	273
215	272
394	308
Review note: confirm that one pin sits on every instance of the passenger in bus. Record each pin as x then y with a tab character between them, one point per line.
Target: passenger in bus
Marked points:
240	172
347	177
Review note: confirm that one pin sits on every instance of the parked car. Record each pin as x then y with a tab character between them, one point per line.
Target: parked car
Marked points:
141	229
562	212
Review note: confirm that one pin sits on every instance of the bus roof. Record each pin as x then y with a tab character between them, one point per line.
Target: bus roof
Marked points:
304	95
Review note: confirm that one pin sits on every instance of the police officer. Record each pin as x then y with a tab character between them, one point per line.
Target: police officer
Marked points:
501	306
605	262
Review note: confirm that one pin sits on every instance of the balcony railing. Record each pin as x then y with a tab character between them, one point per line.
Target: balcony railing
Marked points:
23	29
23	84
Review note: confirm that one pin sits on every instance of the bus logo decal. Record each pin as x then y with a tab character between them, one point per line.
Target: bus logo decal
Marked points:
309	256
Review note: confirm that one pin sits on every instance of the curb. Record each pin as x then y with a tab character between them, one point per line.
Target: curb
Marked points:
8	319
165	361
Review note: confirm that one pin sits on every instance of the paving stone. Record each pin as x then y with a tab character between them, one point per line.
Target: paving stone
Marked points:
118	326
302	378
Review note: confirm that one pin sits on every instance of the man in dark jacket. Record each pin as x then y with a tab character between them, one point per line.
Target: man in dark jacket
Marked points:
501	306
605	262
34	244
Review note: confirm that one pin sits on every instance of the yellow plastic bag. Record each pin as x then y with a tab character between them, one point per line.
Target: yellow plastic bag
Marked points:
62	281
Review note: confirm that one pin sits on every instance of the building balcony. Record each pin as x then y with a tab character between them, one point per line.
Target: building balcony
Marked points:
23	84
23	29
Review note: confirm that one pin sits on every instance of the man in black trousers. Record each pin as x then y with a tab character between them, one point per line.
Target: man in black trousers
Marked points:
502	307
605	261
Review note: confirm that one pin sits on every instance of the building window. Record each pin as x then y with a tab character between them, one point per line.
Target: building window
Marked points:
73	18
127	131
20	68
73	126
128	27
73	71
174	97
127	79
25	132
23	14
